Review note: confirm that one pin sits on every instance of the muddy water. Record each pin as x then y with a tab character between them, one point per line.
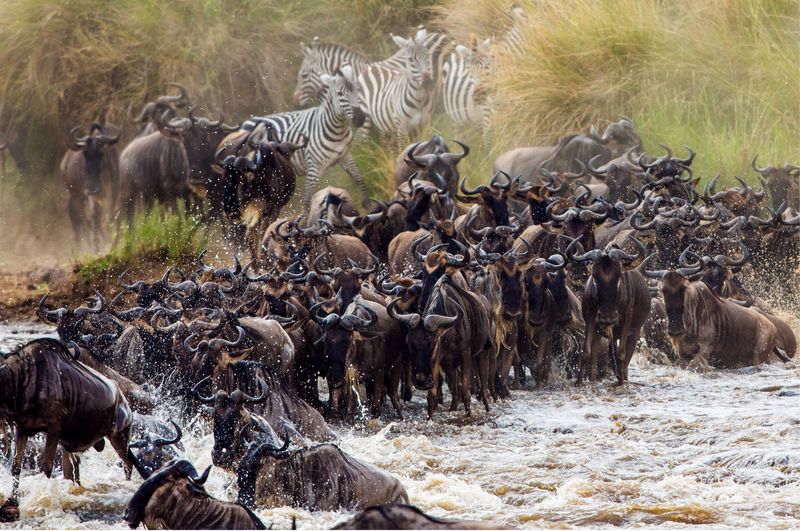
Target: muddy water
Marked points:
673	448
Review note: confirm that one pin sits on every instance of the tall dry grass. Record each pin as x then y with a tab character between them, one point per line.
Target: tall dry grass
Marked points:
722	76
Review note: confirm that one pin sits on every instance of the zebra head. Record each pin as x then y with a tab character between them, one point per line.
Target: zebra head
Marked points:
417	57
309	84
341	94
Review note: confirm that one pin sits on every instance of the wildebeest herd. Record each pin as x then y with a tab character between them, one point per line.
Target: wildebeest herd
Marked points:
564	260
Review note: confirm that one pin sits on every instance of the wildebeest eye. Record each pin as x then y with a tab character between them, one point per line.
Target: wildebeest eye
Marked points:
339	92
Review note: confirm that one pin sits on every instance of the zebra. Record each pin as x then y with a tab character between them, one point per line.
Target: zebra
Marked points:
399	103
325	58
327	128
463	84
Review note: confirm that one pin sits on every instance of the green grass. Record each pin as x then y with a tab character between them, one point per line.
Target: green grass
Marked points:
155	237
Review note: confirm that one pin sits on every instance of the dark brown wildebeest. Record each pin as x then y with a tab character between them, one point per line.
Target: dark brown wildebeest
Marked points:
362	344
712	330
783	184
155	451
404	170
281	411
399	516
319	478
330	204
164	105
436	167
454	334
90	170
615	305
174	498
154	167
44	389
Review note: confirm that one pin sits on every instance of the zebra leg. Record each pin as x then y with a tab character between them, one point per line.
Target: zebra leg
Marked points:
313	172
349	164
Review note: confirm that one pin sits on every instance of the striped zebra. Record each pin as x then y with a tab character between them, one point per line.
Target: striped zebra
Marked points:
399	103
325	58
327	127
464	77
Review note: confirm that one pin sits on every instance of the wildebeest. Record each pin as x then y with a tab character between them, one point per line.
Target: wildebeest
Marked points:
436	167
154	167
712	330
154	451
90	170
319	478
615	305
174	498
783	183
399	516
525	162
44	389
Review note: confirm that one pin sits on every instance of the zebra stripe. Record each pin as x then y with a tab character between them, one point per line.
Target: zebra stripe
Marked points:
327	128
461	78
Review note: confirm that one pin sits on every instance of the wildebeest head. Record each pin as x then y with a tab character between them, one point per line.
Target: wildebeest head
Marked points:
439	168
170	478
507	270
211	354
201	141
68	322
230	419
538	279
494	196
608	267
341	335
620	136
154	452
92	147
674	284
340	93
782	183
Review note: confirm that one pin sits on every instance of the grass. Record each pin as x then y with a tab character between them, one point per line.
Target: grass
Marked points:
721	76
158	236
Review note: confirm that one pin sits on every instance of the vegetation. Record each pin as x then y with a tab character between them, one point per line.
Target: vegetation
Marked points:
158	236
721	76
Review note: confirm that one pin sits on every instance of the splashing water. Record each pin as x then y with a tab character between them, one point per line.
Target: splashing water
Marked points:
671	448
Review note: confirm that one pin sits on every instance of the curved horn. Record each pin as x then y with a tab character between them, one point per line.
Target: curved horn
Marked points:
657	274
410	320
687	161
462	187
174	440
763	170
99	306
724	261
262	385
455	158
51	315
217	344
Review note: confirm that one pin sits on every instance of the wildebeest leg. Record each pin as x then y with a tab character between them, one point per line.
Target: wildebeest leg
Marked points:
74	207
349	164
451	374
20	443
392	383
588	344
484	367
466	378
543	358
50	447
630	346
70	464
377	395
313	172
119	442
407	386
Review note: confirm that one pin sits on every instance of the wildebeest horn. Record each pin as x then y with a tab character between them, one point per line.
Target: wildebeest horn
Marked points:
554	262
195	393
217	344
455	158
329	320
51	315
745	188
564	216
454	261
99	306
410	320
594	170
683	259
657	274
755	167
434	322
495	182
331	272
364	272
411	158
174	440
620	255
723	260
465	191
591	256
487	258
262	385
76	350
351	321
415	246
181	97
687	161
635	222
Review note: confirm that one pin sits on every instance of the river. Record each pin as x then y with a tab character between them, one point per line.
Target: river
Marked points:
673	448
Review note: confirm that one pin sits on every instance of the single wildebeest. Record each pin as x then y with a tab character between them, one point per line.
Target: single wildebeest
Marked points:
174	498
438	167
154	451
616	303
154	167
783	184
90	170
319	478
400	516
712	330
44	389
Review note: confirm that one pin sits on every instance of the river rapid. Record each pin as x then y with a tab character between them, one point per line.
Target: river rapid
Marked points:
673	448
